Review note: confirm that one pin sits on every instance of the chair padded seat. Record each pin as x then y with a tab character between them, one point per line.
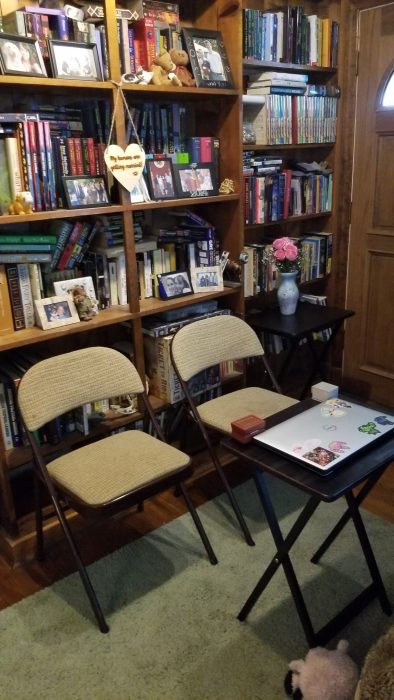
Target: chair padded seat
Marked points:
219	413
114	466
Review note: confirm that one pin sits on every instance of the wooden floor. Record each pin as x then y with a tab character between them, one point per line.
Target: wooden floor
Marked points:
20	582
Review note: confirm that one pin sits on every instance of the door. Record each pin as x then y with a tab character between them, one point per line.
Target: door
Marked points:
369	343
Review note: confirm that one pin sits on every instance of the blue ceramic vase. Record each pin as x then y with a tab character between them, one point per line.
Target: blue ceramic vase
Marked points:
288	293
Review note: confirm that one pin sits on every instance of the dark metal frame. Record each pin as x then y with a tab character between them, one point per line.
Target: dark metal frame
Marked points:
41	476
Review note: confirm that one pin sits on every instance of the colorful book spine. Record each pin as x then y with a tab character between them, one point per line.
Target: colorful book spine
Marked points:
35	167
43	166
69	247
15	297
50	166
5	421
63	231
84	234
6	317
14	170
26	295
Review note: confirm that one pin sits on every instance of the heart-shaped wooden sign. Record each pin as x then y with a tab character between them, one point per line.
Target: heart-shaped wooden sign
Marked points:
126	165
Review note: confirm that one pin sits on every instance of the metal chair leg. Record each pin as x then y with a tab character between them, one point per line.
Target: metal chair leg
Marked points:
198	524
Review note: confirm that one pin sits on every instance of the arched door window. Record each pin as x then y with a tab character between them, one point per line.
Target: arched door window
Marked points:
388	93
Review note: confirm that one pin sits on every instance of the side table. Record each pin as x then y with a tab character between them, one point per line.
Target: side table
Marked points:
308	319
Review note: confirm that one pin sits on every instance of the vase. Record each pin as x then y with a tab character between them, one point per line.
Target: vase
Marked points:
288	293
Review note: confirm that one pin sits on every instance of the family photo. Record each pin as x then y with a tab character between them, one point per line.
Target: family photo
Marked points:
21	55
194	180
74	61
175	285
209	59
161	180
85	192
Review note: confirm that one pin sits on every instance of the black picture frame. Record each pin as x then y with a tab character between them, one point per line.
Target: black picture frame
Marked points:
21	55
73	60
174	284
85	191
195	180
207	52
161	178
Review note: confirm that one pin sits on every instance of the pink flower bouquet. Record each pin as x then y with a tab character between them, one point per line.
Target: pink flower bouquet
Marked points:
286	255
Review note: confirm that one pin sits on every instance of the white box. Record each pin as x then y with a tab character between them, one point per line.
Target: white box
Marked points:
323	391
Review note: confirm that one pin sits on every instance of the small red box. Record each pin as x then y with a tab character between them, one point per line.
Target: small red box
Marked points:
245	428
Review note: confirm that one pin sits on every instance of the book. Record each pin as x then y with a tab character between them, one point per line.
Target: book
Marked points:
5	187
26	294
62	229
13	164
6	317
69	247
15	297
5	423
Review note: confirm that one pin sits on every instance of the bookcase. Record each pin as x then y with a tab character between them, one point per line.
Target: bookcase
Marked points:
215	112
313	220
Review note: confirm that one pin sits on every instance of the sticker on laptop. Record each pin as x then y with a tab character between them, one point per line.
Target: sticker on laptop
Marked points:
369	428
321	456
334	407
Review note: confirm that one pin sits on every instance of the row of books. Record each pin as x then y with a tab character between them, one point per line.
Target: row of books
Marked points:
261	274
290	36
285	194
36	153
288	119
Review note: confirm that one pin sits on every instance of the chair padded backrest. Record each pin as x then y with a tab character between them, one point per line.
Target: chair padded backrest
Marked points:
64	382
202	344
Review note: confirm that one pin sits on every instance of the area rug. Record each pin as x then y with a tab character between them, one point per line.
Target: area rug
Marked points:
173	617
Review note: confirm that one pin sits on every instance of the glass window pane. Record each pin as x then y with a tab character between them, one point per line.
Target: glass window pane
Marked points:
388	96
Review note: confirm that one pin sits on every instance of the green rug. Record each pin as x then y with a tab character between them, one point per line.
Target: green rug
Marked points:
174	631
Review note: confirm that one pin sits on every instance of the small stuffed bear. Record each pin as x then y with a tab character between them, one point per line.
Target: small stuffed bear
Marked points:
323	675
163	70
180	58
86	306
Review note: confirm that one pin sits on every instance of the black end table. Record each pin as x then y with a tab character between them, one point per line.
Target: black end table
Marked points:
368	466
308	319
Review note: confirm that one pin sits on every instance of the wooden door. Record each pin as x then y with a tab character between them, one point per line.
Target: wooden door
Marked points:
369	339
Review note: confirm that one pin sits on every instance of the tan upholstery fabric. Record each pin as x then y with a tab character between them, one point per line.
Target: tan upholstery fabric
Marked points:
219	413
210	341
61	383
118	464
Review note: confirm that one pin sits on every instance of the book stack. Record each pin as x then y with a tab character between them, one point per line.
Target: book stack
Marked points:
156	28
278	83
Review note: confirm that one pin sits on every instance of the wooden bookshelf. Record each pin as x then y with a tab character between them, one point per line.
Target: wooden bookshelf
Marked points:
214	112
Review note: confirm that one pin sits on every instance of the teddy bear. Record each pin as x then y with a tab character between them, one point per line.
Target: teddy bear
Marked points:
180	59
324	675
163	70
86	306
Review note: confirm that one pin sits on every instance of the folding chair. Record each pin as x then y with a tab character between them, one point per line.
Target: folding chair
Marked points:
106	476
199	346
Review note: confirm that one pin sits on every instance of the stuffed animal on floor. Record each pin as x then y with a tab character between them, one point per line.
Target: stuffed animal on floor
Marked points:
377	673
323	675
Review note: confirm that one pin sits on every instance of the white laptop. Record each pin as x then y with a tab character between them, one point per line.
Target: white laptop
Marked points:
324	436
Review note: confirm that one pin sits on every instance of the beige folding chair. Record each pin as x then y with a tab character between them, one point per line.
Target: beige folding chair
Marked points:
202	344
108	475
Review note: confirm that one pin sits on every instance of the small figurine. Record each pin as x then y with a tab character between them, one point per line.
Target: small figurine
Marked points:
21	204
227	186
86	306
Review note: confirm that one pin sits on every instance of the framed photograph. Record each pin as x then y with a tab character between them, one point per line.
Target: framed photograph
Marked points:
21	55
208	58
174	284
207	279
85	191
54	312
197	180
74	61
66	287
161	178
